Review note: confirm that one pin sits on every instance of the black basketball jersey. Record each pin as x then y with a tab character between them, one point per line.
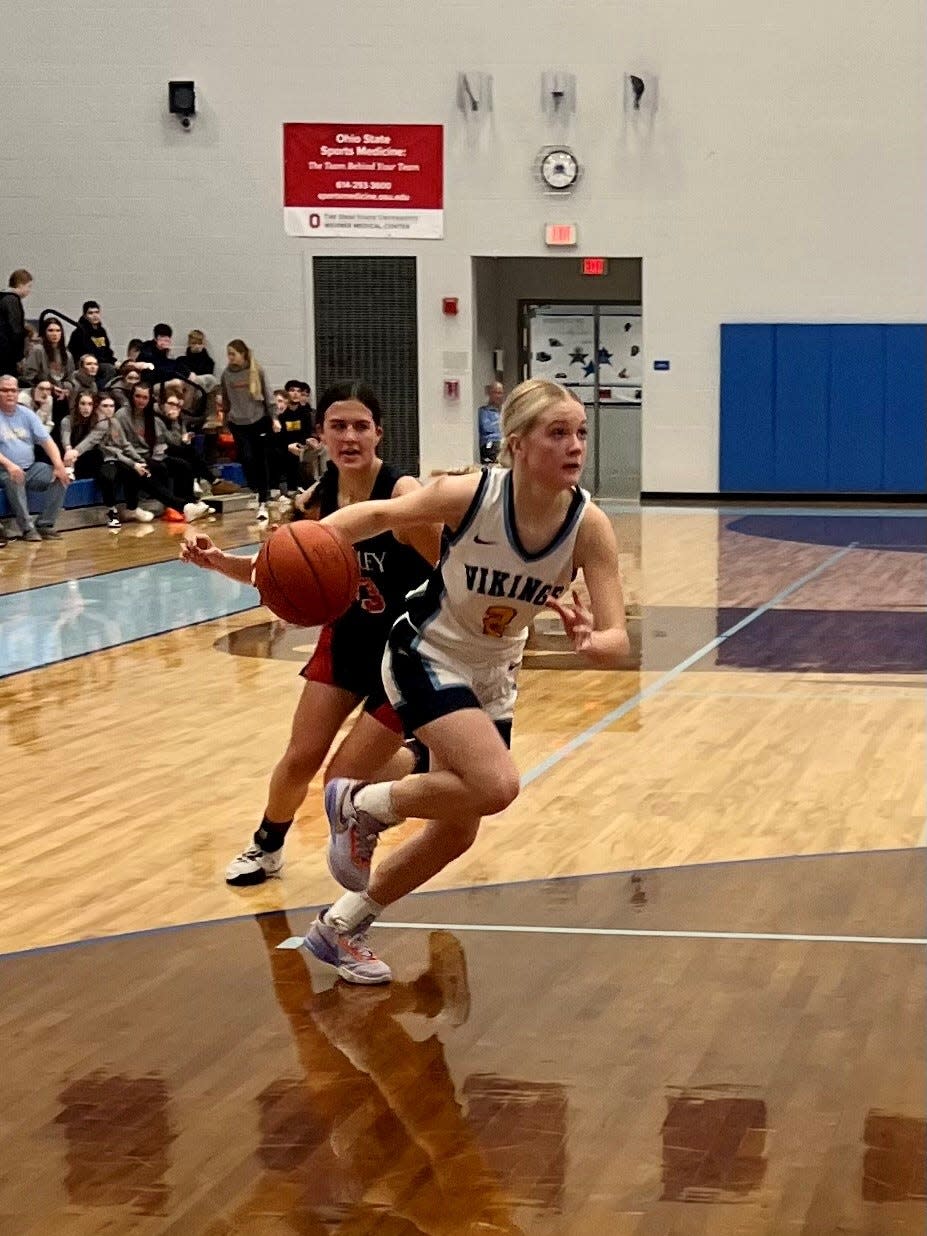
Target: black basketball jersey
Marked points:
389	571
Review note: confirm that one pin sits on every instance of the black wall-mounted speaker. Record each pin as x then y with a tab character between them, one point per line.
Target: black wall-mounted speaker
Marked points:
181	98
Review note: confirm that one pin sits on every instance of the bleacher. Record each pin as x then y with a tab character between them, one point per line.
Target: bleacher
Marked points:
84	506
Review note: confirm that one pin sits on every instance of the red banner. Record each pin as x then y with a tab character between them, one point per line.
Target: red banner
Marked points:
363	180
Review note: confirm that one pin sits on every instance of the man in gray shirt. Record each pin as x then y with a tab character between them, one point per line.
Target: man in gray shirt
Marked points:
20	472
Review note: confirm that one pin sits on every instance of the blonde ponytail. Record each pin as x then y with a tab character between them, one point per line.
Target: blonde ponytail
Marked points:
255	385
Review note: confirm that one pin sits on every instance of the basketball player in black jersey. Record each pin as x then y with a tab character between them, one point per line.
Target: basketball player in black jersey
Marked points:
345	667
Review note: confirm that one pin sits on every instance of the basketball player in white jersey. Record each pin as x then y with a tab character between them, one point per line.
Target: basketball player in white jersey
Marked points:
515	536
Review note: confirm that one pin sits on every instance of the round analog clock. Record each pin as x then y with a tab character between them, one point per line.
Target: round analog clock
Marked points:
559	168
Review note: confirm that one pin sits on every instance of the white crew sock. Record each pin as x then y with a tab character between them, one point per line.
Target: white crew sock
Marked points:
377	800
350	910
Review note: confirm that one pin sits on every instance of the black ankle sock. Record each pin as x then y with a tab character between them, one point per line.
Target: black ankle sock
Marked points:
270	836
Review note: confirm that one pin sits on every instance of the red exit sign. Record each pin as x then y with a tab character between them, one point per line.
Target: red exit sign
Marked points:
595	266
560	233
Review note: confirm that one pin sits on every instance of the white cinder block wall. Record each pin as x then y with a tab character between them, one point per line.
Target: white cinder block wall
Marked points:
785	177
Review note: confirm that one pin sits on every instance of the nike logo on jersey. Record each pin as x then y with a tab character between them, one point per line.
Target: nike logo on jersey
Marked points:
478	540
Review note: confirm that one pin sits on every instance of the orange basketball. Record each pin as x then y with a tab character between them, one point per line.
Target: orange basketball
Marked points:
307	573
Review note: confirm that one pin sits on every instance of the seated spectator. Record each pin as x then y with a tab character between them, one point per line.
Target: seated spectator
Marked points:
134	350
196	361
168	480
50	359
82	433
13	322
198	368
156	352
180	446
86	376
21	474
126	380
313	459
89	336
296	428
40	400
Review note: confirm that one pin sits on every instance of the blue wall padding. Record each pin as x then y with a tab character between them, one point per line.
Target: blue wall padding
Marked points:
823	409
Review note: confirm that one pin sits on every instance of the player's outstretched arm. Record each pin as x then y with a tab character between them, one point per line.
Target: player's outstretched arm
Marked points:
200	550
444	501
425	539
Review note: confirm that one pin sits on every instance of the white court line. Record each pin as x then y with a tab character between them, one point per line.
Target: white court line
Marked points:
294	942
629	705
859	697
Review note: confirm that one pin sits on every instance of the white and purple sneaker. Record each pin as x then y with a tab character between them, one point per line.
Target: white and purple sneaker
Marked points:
354	835
348	952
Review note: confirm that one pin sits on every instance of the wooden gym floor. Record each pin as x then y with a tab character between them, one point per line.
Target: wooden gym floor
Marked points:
678	988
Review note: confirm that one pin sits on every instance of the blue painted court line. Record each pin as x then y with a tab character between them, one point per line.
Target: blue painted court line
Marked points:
630	704
61	621
875	512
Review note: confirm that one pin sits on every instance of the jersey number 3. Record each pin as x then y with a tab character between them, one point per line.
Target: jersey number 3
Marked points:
371	598
497	618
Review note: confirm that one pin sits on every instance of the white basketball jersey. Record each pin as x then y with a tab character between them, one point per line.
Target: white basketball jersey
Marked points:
477	605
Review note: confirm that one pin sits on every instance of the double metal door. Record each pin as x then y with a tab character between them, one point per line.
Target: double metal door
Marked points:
594	350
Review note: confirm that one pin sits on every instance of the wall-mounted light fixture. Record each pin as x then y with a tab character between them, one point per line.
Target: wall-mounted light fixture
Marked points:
474	92
558	93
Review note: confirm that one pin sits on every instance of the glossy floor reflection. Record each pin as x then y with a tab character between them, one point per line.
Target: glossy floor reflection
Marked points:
53	623
205	1080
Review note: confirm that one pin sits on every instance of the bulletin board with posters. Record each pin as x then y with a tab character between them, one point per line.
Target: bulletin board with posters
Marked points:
562	347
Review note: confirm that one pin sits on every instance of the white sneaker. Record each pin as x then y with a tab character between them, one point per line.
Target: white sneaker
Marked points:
253	866
195	510
140	515
112	518
348	952
262	516
197	489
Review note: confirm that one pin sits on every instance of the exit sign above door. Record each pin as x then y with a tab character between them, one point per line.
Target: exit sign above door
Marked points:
594	266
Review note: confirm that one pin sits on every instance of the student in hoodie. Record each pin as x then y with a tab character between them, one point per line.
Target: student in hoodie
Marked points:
251	415
197	366
89	337
13	322
168	480
40	400
86	376
82	435
51	360
181	446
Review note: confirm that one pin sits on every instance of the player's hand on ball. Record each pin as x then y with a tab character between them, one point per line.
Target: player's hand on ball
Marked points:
577	621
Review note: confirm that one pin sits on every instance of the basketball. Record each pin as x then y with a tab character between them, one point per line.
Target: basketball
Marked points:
307	573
